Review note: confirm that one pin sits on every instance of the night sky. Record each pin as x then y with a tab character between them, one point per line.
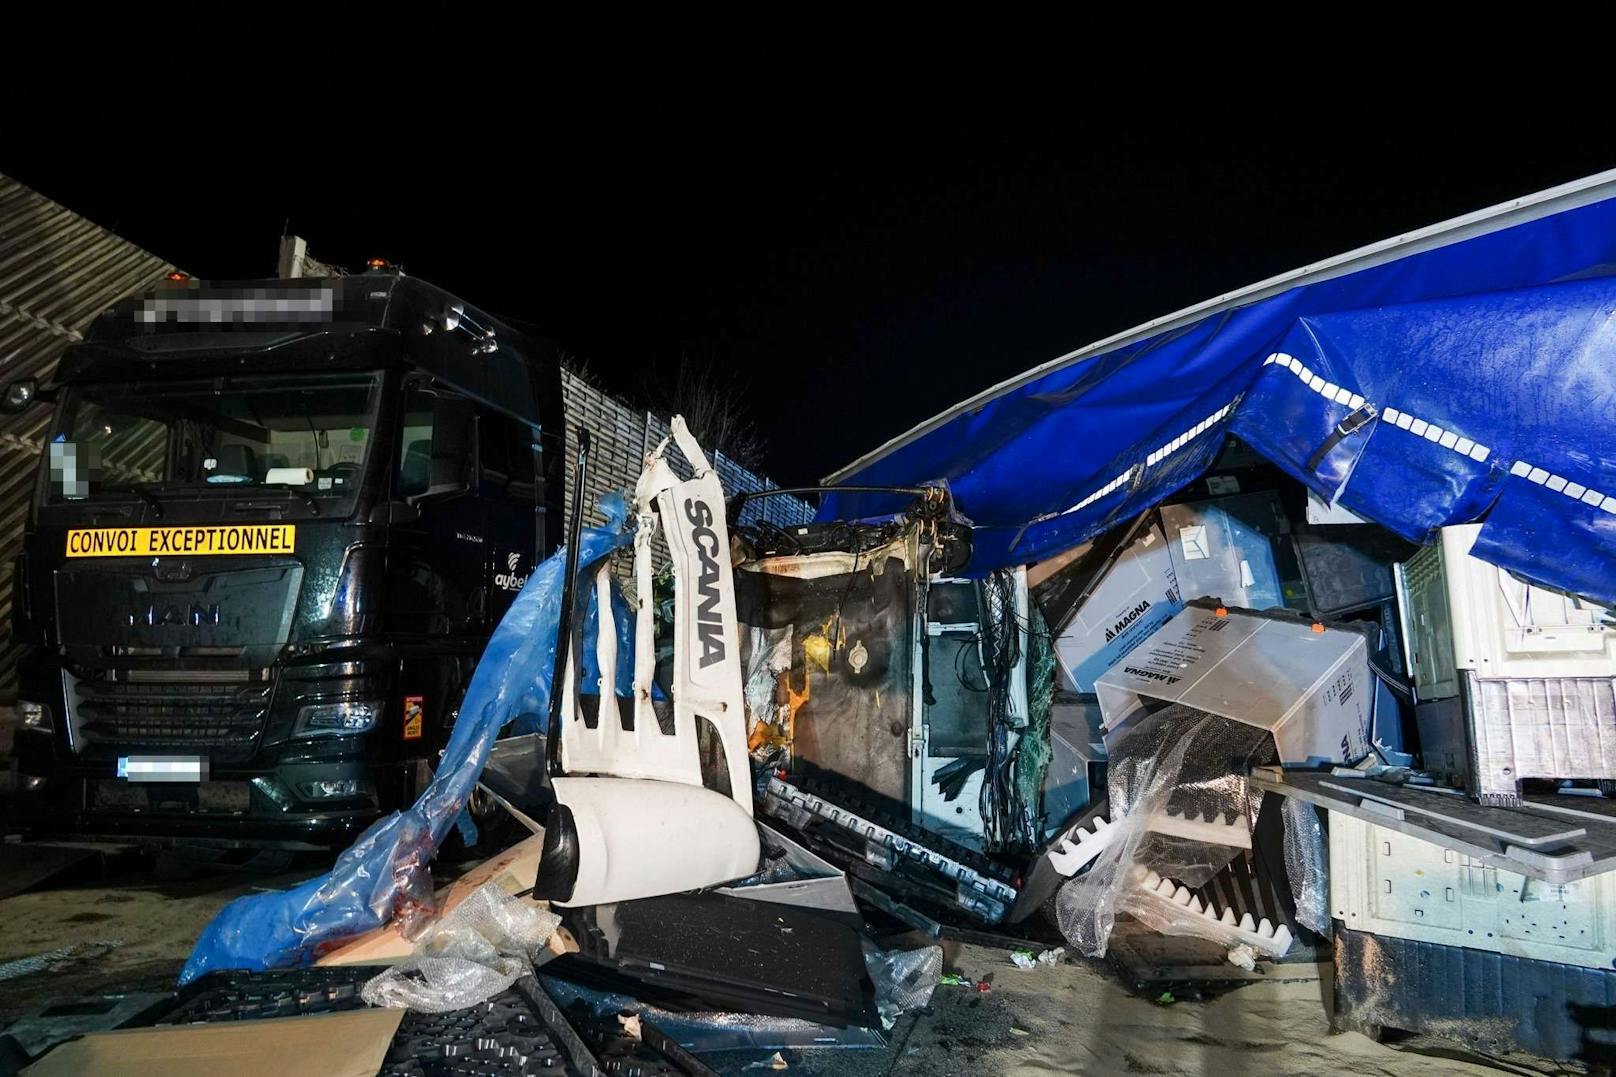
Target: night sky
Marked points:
854	285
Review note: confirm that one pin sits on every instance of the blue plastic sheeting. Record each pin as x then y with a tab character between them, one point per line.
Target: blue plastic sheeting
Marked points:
386	869
589	661
1503	405
1501	339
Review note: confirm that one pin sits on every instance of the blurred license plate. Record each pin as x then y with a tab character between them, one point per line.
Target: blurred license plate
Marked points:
163	768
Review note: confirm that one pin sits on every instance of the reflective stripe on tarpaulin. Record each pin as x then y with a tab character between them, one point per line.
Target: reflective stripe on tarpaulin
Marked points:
1498	340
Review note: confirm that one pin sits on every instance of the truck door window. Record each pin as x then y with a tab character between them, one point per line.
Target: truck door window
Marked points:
505	452
105	442
436	450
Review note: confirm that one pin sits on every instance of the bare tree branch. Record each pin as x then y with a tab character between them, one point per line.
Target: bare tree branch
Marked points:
714	409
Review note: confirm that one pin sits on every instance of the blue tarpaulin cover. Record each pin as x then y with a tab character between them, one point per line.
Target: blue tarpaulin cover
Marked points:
1467	374
385	871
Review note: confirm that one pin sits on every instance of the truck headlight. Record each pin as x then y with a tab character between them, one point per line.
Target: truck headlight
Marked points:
33	715
350	716
329	788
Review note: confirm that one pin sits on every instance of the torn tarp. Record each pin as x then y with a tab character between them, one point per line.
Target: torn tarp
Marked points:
1463	370
385	870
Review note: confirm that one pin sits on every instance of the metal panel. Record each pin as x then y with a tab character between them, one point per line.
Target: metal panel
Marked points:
1391	884
1493	1003
57	272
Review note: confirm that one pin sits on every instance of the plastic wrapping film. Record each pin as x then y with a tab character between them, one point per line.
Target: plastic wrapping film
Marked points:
1305	865
904	979
1177	761
384	874
480	948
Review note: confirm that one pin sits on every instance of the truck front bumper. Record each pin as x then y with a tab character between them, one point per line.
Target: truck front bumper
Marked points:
306	805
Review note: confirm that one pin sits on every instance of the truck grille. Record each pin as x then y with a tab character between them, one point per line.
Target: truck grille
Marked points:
221	720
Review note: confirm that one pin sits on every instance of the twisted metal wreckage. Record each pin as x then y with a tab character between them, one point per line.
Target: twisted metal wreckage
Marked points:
1066	712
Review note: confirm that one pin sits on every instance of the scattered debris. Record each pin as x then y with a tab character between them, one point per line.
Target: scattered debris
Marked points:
904	979
775	1061
1066	746
479	949
51	960
1026	959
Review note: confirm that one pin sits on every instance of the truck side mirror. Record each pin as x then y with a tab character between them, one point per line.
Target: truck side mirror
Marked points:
20	396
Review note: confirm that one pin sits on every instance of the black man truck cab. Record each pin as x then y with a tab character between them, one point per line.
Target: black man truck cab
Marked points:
274	525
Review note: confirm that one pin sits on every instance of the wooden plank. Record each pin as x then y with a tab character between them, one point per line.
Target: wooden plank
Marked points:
513	871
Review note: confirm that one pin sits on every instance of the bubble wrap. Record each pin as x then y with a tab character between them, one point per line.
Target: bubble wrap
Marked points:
483	946
1305	865
1180	761
904	979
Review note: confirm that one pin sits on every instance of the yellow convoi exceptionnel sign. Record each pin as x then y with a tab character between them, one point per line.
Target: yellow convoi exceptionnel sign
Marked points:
174	541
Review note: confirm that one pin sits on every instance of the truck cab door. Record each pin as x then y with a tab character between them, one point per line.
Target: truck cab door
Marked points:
437	561
507	484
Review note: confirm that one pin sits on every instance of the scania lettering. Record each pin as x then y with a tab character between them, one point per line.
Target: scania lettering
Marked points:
273	527
709	622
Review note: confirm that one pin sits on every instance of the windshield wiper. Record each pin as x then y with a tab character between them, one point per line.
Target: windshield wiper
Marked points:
151	501
314	506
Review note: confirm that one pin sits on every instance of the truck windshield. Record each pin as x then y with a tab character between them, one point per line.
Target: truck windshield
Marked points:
309	433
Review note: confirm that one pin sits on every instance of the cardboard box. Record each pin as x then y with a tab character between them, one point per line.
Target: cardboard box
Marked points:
1137	596
1310	689
348	1044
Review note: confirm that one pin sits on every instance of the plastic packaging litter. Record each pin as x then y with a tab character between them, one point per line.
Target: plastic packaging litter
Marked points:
904	979
1025	959
385	872
1179	761
480	948
1305	865
1243	956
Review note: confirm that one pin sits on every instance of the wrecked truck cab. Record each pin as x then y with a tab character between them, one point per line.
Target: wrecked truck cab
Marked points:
634	815
273	527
